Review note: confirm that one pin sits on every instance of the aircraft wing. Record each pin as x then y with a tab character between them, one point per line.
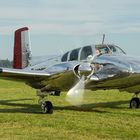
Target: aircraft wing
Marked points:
21	74
39	79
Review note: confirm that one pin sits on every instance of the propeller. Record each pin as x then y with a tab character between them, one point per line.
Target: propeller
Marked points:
75	95
77	73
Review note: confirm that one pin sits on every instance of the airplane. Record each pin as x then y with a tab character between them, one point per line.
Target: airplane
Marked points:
103	66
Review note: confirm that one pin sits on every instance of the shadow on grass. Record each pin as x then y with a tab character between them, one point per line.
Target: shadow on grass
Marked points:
93	107
19	107
35	108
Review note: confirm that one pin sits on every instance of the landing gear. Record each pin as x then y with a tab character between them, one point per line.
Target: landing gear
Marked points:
46	106
135	102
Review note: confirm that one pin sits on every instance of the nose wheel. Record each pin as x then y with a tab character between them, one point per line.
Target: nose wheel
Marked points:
135	103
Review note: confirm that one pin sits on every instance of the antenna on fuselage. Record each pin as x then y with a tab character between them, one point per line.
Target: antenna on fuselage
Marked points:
103	39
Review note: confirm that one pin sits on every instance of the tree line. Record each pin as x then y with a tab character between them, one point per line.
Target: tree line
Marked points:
6	63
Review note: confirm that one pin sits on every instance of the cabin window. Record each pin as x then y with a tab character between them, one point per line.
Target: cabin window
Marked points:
74	55
86	51
65	57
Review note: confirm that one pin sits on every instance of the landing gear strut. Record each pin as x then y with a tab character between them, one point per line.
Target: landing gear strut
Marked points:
135	101
46	106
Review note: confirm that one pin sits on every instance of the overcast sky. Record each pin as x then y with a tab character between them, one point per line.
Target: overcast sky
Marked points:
60	25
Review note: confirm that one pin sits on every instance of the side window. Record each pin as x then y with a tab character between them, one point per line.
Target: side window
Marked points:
74	55
86	51
64	57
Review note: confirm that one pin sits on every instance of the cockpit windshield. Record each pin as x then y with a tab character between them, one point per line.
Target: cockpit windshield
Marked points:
108	49
116	49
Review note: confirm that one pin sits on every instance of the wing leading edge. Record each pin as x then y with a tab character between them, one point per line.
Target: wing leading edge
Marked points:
22	75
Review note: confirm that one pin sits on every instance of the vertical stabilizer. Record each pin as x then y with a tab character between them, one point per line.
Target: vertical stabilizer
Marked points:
22	51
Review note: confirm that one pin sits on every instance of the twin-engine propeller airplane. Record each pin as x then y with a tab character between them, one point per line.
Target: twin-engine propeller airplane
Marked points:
104	66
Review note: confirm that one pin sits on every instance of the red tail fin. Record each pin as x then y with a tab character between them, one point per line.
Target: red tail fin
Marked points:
22	53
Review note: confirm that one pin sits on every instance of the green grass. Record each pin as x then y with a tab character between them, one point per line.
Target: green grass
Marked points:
104	115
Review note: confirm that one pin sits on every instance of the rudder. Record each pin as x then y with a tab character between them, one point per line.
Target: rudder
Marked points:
22	51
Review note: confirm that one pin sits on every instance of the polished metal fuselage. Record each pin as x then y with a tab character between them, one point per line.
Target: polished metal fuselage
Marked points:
118	72
111	71
115	72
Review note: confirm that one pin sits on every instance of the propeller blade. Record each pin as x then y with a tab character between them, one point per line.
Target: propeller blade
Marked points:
75	95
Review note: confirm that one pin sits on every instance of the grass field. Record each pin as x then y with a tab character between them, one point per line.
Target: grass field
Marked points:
103	115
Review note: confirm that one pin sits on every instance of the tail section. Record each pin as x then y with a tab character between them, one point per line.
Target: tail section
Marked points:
22	51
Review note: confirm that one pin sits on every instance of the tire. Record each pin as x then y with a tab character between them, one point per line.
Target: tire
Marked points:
47	107
134	103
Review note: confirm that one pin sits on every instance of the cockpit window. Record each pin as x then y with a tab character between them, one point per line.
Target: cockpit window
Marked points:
108	49
86	51
65	57
102	49
74	55
116	50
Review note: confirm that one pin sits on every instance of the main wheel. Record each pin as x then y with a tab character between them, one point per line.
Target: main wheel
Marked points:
135	103
47	107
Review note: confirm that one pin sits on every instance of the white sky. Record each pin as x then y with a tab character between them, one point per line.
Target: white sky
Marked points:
60	25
